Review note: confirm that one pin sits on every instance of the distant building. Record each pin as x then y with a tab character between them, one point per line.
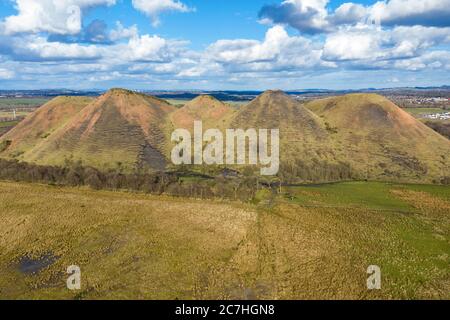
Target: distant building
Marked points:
438	116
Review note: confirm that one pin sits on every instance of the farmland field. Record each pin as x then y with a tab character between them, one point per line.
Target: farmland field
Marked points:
22	106
6	103
418	112
4	124
182	102
309	242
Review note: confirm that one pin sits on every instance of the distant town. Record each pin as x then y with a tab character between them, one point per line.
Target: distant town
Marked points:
438	116
405	97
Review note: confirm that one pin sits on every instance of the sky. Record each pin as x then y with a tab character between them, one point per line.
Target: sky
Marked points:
223	44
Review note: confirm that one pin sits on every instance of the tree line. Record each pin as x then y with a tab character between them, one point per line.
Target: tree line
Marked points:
171	183
211	184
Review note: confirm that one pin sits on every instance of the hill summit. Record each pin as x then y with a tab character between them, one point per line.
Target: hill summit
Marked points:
383	140
39	125
277	109
120	127
203	108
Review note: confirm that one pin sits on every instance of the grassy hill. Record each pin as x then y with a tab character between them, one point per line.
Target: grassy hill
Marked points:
307	152
311	242
381	140
38	126
120	127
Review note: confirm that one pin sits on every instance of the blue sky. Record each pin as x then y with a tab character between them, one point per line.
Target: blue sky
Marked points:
223	44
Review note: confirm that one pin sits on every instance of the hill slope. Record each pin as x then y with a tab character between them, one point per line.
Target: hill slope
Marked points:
35	128
119	128
382	140
307	152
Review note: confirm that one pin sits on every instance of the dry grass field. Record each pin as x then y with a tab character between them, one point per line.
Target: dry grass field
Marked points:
311	242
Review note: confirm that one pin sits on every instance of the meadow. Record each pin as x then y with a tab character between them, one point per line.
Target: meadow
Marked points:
4	124
419	112
181	102
9	103
308	242
23	107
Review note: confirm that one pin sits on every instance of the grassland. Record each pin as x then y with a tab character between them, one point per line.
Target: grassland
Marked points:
310	242
9	114
5	124
417	112
22	102
182	102
178	102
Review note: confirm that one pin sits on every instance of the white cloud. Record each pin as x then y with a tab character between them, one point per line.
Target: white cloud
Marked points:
54	16
153	8
38	48
148	48
353	45
123	33
6	74
371	43
348	13
305	15
412	12
431	60
276	50
313	16
144	48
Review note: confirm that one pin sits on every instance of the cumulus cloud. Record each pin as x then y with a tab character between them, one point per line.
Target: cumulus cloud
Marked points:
53	16
353	45
276	50
372	43
431	60
95	32
348	42
149	48
123	33
153	8
412	12
140	48
313	16
40	48
348	13
308	16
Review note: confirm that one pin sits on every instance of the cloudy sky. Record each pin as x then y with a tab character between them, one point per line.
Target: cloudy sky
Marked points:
223	44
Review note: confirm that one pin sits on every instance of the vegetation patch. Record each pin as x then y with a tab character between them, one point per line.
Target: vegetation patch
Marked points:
4	145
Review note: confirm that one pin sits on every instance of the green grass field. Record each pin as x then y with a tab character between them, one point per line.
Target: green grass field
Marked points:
5	124
22	102
182	102
310	242
8	104
417	112
351	194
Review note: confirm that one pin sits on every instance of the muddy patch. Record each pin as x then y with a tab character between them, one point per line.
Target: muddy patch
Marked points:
32	265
